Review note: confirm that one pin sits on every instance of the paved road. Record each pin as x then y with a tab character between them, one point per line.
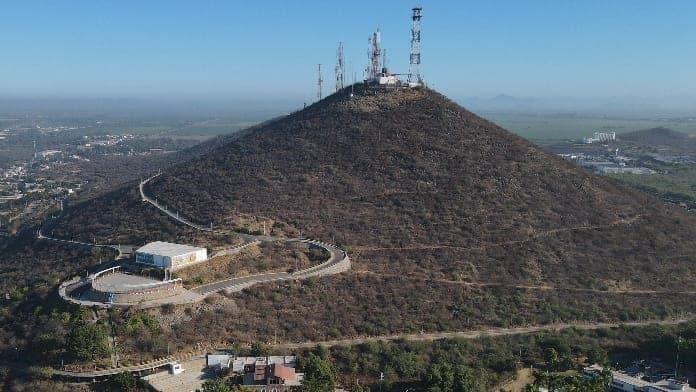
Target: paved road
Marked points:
337	256
174	215
92	374
124	251
338	260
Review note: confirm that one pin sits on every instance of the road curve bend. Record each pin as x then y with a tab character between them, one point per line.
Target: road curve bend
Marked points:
337	262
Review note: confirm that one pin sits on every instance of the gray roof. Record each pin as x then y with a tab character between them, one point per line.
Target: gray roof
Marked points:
167	249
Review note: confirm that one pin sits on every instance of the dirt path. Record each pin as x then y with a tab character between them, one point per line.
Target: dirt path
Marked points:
475	334
541	234
421	337
528	286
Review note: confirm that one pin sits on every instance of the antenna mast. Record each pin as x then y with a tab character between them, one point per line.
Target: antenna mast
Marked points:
375	54
320	82
340	68
414	75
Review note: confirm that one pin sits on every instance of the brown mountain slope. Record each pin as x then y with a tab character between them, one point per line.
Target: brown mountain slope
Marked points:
451	222
411	176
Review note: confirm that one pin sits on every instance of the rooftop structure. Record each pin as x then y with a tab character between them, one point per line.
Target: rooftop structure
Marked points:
170	256
377	72
258	372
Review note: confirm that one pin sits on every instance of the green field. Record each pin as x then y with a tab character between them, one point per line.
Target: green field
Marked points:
678	182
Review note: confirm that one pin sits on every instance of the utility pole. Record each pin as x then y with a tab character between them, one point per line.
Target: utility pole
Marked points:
320	82
676	366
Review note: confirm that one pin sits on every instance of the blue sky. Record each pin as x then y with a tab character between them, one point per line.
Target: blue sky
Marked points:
268	50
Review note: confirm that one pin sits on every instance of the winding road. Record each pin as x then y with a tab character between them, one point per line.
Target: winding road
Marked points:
124	251
337	262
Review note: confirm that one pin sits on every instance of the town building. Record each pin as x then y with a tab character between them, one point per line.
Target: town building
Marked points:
624	382
267	374
600	137
170	256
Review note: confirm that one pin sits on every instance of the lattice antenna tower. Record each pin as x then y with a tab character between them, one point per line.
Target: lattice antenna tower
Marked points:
375	54
320	83
340	68
414	74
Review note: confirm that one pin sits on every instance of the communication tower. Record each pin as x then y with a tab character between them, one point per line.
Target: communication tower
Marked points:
414	75
340	68
320	82
375	55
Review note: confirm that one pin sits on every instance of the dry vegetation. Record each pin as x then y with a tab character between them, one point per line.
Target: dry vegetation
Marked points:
265	257
424	195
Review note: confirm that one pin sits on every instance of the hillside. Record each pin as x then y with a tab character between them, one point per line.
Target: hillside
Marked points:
412	170
450	220
661	138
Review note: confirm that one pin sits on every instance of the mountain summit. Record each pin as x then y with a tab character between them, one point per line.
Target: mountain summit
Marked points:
450	222
411	170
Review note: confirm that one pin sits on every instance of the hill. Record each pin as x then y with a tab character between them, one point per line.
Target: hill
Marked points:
660	140
661	137
450	220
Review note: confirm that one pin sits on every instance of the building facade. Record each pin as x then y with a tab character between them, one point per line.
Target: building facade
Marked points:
170	256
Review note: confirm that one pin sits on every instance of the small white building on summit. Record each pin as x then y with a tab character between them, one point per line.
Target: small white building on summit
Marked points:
170	256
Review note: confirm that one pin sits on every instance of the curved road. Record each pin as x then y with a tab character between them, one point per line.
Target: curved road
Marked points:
338	260
166	211
336	263
124	251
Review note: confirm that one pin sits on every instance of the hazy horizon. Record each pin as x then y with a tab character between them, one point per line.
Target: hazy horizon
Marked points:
261	109
182	51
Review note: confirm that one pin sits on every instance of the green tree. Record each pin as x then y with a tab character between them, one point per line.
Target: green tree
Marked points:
359	388
320	375
556	382
445	377
216	385
551	356
240	388
88	342
125	381
258	350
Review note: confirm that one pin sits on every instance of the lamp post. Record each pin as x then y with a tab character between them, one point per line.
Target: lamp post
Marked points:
676	365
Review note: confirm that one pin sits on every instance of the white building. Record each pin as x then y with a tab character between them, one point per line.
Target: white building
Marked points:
601	137
622	382
170	256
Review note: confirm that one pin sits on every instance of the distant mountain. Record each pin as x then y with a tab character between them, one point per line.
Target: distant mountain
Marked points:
450	220
661	137
614	106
